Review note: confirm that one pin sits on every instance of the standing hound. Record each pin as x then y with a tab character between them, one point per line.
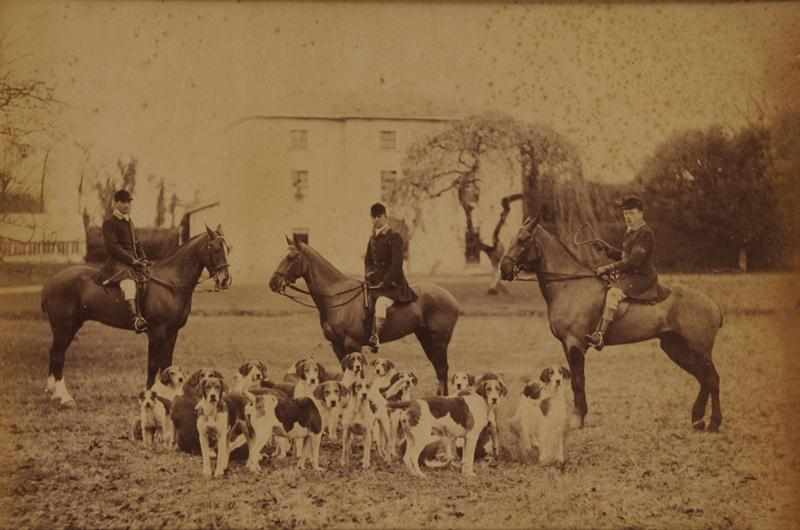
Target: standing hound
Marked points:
220	418
556	414
366	411
300	420
425	420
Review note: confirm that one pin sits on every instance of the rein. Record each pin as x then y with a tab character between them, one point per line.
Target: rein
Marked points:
557	277
356	289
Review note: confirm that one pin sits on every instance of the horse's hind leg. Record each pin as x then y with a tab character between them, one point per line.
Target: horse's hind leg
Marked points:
702	368
435	346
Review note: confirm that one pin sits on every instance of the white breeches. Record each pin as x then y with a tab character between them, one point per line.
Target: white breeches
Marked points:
128	287
614	297
381	305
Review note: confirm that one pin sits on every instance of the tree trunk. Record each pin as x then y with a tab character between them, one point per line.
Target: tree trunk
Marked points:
743	259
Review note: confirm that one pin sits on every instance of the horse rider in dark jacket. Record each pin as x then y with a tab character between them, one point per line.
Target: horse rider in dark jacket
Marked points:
632	274
383	266
126	258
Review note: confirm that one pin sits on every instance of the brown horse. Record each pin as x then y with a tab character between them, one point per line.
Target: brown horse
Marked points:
72	296
686	322
340	302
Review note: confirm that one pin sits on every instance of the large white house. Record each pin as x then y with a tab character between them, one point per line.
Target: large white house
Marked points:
318	175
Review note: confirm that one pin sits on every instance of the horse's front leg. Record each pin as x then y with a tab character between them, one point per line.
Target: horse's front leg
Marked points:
576	358
156	352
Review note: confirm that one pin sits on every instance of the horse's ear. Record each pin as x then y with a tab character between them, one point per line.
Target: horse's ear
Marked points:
211	233
288	241
219	229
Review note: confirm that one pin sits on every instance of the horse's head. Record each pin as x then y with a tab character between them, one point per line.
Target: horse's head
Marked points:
523	254
291	267
214	257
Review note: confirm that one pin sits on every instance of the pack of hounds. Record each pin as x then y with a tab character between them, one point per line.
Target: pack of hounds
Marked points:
251	416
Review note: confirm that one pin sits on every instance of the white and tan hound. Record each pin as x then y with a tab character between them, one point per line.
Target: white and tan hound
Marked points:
465	416
460	382
220	418
169	382
153	423
300	420
365	411
250	374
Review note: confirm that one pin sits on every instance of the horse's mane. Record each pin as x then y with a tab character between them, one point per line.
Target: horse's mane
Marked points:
306	248
565	247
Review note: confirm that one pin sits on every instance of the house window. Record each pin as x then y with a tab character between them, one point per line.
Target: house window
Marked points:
388	140
298	139
300	184
388	182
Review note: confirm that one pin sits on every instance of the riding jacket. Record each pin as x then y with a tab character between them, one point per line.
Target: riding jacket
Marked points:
635	272
383	264
122	247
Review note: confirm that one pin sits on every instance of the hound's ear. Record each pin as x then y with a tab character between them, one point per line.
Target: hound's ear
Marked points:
245	368
319	393
211	233
140	395
471	380
343	391
565	373
389	365
414	378
547	373
481	390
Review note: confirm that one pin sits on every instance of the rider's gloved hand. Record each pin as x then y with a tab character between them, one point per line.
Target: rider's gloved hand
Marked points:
603	270
140	265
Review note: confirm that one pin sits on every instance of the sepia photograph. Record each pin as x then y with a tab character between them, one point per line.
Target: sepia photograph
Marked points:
473	264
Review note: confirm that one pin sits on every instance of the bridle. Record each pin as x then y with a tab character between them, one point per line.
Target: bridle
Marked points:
285	283
543	277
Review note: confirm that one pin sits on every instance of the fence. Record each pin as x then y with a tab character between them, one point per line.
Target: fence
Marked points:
13	250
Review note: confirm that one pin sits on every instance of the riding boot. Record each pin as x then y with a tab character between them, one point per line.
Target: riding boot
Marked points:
374	340
596	339
139	323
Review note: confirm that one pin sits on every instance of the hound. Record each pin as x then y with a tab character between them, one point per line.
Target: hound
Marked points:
425	420
459	382
251	373
381	372
153	422
365	410
557	413
221	418
401	388
300	420
309	373
354	366
527	423
169	383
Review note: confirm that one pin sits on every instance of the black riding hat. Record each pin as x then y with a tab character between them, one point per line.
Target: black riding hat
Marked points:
122	196
631	202
377	209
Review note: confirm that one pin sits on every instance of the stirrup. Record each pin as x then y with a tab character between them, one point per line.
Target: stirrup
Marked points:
139	324
595	340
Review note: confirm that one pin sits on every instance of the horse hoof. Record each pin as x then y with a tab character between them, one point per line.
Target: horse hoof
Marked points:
713	427
699	425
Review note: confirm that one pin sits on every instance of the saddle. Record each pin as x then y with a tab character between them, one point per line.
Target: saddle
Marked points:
654	295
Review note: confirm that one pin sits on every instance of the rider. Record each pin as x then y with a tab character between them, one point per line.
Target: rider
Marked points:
126	257
383	266
633	273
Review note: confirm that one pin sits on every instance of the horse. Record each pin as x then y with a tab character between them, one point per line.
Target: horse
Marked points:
339	300
72	296
686	322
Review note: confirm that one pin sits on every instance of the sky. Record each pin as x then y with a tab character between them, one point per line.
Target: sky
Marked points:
162	81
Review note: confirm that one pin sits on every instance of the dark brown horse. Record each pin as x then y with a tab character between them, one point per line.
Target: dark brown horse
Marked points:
686	322
340	302
72	296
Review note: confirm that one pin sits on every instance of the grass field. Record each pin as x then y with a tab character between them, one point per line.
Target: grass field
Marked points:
636	464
